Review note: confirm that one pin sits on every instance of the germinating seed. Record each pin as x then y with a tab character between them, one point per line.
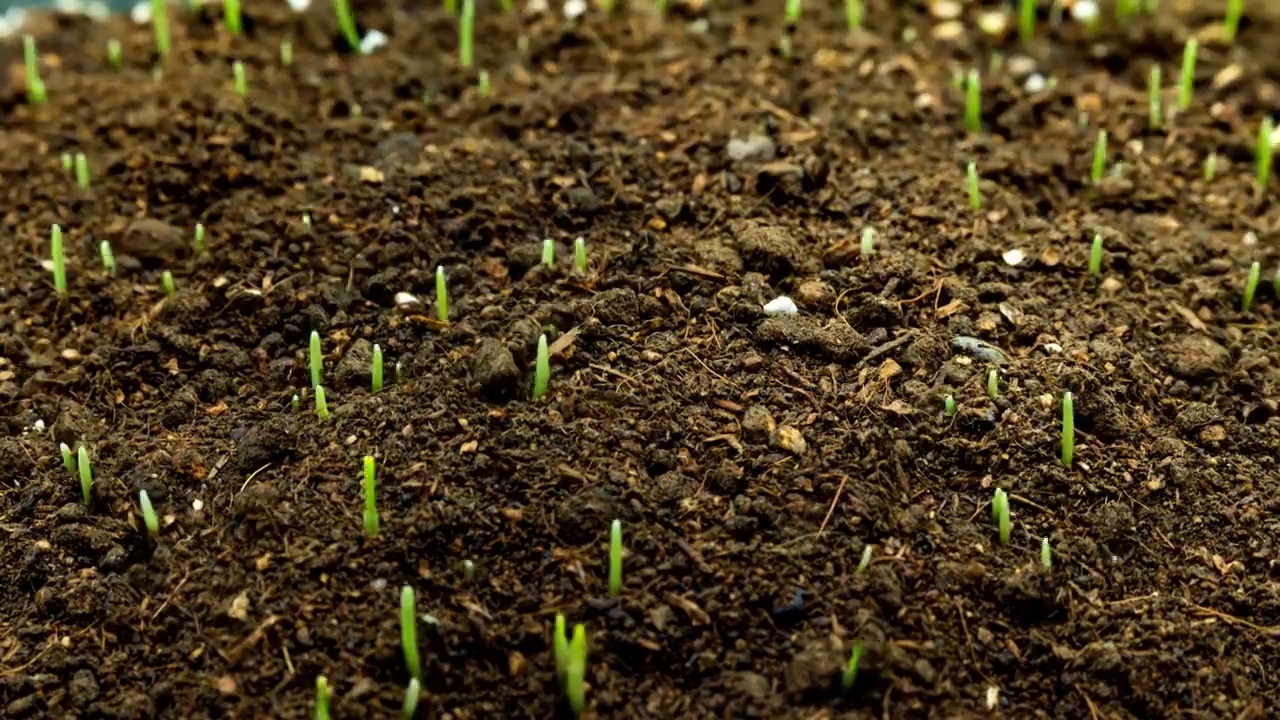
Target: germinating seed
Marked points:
108	258
322	698
67	163
853	12
560	645
286	52
347	24
1095	256
315	358
580	255
1068	429
1027	20
1251	286
1186	85
36	92
548	252
82	171
160	27
231	16
1099	157
322	406
971	181
850	674
86	474
409	632
1231	25
1265	151
615	558
166	281
411	695
466	33
1155	115
949	405
370	489
868	245
442	296
993	384
149	518
973	102
541	369
865	562
375	372
1210	166
59	258
68	460
1000	509
576	671
199	239
1046	553
240	84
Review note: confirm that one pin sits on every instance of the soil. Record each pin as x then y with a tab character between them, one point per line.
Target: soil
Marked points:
750	458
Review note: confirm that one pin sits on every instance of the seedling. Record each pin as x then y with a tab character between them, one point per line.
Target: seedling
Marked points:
231	16
1046	553
973	102
1265	151
576	671
375	372
1251	286
114	54
399	373
1000	513
468	571
1099	158
306	220
322	698
347	24
1231	26
993	384
549	252
541	369
482	83
1027	21
442	296
315	358
59	261
949	405
286	52
67	163
853	12
36	92
580	255
86	474
369	486
409	633
868	245
68	460
199	239
850	674
560	646
149	518
411	695
237	74
1210	166
466	34
166	281
865	562
971	181
1068	429
792	12
1155	115
322	407
82	171
1095	256
615	558
160	26
108	258
1187	84
294	403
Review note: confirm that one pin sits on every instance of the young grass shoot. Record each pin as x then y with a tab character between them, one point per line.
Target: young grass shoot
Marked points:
149	518
1000	513
82	171
199	239
615	558
973	102
1210	166
865	562
108	258
286	52
115	55
36	92
1265	151
853	12
166	282
576	671
322	698
231	17
971	182
411	694
375	371
466	34
1251	286
1231	24
442	296
322	405
541	369
560	646
949	405
549	252
1099	158
1046	554
1095	256
1155	109
867	246
59	258
160	27
1068	429
86	475
347	24
315	358
409	633
1186	85
993	384
850	674
1027	20
370	489
580	255
68	459
240	84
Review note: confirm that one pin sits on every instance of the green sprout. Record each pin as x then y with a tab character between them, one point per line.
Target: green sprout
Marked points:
442	296
294	403
580	255
792	12
1187	84
160	26
68	460
576	671
375	371
482	83
166	281
231	16
615	558
1154	109
1265	151
67	163
86	474
409	633
560	646
322	407
466	34
306	221
468	571
59	261
148	514
993	384
853	12
949	405
114	54
199	239
1027	20
1251	286
1099	158
411	695
82	171
541	369
1046	553
549	252
322	698
1126	10
850	674
36	92
369	486
315	357
865	562
868	245
108	258
240	84
973	102
1068	429
1000	513
286	52
1210	166
1095	256
971	181
1231	26
347	24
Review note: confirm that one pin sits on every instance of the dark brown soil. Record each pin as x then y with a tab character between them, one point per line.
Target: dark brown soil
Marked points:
750	458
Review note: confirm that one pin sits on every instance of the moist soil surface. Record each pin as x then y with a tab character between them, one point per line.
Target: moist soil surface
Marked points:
751	458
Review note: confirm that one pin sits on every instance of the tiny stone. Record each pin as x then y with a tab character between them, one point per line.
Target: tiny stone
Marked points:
790	439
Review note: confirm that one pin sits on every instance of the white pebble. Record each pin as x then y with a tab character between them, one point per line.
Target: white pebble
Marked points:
299	5
574	9
141	13
373	40
1084	11
781	305
1014	256
1035	83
